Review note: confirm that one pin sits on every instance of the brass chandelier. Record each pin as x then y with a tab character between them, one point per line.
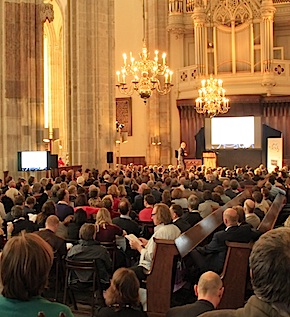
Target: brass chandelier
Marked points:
145	72
212	100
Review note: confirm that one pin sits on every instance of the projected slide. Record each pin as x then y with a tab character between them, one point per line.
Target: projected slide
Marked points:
34	161
232	132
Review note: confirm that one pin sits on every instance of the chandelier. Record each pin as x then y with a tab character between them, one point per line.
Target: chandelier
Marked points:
144	72
212	100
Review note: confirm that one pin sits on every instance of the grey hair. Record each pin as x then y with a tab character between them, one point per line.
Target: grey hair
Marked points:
270	266
193	201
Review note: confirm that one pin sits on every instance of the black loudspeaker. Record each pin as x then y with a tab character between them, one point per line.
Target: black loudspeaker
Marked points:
109	157
53	161
176	154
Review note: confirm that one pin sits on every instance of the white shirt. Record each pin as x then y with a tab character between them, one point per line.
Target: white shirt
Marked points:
2	211
168	232
207	208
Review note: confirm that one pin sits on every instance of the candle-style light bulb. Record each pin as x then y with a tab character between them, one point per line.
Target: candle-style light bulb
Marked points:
118	75
163	58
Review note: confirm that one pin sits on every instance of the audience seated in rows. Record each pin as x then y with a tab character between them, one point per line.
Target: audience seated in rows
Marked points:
271	291
212	256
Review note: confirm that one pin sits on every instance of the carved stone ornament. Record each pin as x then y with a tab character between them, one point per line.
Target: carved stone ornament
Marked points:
46	12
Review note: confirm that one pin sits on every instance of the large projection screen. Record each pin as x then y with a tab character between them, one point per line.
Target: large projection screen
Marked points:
233	133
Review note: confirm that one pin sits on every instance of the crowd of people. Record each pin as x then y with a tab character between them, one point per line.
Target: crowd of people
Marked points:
88	209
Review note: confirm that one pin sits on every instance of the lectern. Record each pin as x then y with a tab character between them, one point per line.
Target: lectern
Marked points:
209	159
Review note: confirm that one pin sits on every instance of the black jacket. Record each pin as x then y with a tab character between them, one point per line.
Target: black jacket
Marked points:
214	253
182	224
190	310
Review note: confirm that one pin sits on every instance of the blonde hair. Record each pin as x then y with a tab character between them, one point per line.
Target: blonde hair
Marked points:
122	191
113	190
287	222
103	218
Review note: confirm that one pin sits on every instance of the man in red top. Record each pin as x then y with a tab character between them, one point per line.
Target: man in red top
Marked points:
145	214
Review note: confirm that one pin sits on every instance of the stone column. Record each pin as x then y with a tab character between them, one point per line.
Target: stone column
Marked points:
200	45
21	47
3	143
90	81
267	20
158	113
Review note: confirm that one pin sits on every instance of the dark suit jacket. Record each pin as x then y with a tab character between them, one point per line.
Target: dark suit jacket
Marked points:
128	225
190	310
230	193
23	224
182	224
157	195
124	312
58	244
138	204
214	253
192	217
63	210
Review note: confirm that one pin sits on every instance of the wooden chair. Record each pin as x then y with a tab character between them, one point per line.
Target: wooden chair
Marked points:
56	274
73	267
147	228
112	249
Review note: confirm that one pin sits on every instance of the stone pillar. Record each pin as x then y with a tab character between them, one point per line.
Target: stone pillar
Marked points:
90	81
3	143
21	47
267	34
200	45
158	113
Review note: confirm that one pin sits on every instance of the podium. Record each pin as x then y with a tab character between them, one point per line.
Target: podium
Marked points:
209	159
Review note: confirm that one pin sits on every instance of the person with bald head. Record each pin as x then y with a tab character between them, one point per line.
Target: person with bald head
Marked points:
251	217
270	271
211	257
209	291
49	235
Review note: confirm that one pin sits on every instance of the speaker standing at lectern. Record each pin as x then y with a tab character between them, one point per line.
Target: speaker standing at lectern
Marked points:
181	155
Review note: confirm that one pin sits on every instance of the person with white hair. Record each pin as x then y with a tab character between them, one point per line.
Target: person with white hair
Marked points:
181	155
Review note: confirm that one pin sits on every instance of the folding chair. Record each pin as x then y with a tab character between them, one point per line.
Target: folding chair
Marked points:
73	268
112	249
